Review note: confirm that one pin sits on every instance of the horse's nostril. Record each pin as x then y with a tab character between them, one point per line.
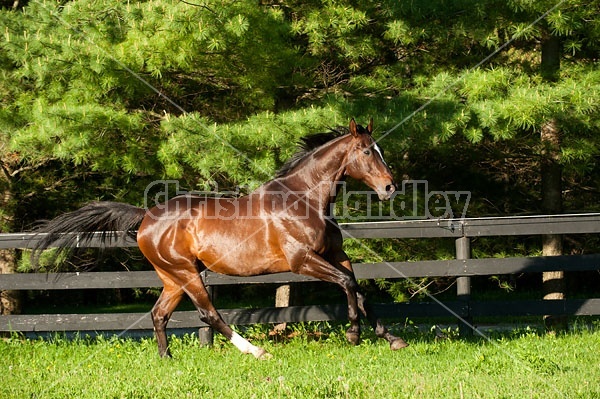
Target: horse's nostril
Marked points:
390	188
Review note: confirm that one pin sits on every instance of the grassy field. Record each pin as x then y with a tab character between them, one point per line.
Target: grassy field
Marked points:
521	363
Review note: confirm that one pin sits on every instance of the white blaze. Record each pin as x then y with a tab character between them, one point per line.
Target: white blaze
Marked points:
376	148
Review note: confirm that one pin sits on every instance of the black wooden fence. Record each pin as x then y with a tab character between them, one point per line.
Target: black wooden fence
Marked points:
463	268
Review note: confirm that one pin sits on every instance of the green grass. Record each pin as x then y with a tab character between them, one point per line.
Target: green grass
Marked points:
521	363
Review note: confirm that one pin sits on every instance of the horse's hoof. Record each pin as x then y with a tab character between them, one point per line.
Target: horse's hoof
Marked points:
165	355
263	355
398	343
353	337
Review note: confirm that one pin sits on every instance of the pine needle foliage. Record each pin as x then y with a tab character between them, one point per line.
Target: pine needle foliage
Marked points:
100	98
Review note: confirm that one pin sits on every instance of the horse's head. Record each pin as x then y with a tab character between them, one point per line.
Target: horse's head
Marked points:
365	162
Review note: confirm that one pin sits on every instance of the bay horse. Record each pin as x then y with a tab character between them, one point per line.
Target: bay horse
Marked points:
284	225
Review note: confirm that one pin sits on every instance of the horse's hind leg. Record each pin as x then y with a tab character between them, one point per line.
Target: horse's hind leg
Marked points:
191	282
161	313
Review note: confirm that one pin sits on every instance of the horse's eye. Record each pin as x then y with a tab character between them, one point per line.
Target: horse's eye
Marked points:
367	152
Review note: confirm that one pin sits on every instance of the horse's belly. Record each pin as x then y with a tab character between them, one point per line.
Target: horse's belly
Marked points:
242	260
244	265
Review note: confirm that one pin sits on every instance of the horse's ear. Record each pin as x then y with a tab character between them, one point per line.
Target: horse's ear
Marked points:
353	128
370	127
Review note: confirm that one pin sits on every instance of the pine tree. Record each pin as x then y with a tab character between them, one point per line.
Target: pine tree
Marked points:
100	98
486	80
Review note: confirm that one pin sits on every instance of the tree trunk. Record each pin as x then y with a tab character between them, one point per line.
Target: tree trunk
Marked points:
551	51
10	301
551	173
553	282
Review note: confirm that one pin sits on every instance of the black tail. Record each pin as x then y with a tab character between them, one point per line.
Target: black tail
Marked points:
96	220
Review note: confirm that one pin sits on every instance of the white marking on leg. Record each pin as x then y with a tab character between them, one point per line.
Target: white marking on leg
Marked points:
244	346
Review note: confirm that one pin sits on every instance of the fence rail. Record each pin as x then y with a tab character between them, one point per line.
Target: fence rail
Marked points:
462	268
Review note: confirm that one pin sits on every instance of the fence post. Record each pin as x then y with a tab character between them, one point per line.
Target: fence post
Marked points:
463	288
206	334
283	299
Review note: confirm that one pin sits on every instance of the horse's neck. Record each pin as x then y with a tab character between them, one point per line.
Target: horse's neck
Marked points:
318	175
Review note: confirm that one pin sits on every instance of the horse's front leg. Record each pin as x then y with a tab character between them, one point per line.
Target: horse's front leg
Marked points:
315	266
380	330
341	259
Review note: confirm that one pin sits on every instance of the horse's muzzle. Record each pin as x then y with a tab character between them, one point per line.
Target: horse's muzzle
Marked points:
390	189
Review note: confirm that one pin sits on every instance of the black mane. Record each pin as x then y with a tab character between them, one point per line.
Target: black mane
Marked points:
307	145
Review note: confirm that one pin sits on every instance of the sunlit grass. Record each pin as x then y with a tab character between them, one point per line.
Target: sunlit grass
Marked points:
314	361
